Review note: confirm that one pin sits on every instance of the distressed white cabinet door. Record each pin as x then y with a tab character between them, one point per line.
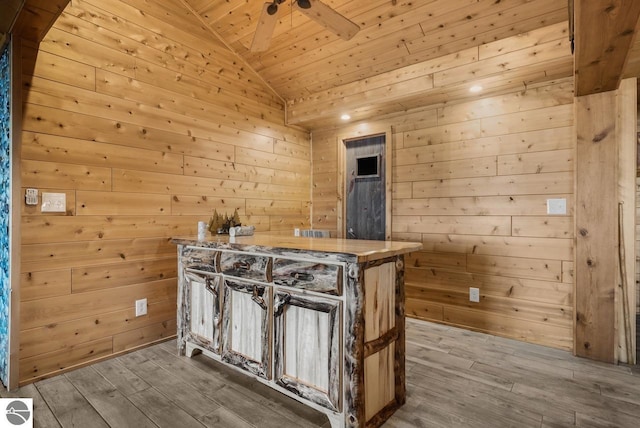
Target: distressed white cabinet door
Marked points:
246	327
307	347
203	309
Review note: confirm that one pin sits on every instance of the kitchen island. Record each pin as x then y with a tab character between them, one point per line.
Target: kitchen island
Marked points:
318	319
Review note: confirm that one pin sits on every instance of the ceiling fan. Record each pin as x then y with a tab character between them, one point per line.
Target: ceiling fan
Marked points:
314	9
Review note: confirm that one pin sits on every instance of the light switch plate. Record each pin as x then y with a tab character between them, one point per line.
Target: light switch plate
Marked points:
31	196
557	206
54	202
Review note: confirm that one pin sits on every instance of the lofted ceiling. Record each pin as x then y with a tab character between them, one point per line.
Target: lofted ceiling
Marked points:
408	53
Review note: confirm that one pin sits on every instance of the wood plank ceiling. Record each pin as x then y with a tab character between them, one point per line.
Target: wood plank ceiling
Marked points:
407	53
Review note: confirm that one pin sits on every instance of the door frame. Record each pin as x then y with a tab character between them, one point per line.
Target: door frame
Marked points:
343	140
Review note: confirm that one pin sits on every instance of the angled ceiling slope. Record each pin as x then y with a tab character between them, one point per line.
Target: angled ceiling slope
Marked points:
406	54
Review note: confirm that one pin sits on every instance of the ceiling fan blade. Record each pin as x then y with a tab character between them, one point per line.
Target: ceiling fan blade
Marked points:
264	30
330	19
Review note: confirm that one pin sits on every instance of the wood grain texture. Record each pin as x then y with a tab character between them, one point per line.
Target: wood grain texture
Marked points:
596	226
510	383
379	300
307	348
610	45
147	123
471	182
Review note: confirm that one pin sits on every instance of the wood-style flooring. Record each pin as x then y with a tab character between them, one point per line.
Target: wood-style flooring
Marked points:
455	378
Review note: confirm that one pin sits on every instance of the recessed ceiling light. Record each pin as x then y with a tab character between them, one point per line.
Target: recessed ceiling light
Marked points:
475	88
345	117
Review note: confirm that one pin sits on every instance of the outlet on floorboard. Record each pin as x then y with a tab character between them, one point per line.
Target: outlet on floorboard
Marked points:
141	307
474	294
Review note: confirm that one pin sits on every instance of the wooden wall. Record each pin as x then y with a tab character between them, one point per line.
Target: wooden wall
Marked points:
637	230
147	123
471	181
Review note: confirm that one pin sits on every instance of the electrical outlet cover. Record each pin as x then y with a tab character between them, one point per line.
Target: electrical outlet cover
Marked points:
141	307
474	294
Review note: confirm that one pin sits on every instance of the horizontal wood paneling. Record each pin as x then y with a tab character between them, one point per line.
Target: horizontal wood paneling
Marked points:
65	334
42	312
43	284
95	278
44	229
472	186
147	123
54	148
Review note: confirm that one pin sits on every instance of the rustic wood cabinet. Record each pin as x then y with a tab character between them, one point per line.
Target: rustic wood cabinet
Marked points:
246	327
307	352
320	320
202	321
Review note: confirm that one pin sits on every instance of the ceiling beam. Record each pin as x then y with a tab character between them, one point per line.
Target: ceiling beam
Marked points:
604	33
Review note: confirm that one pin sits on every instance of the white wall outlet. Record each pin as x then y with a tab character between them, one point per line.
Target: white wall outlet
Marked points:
557	206
54	202
31	196
141	307
474	294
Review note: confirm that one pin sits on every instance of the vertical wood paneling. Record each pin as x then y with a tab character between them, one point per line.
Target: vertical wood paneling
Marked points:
596	226
147	123
471	181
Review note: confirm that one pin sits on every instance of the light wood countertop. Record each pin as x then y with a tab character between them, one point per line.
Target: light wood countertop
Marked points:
362	249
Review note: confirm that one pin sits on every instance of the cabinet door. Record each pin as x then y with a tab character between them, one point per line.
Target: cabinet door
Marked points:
246	327
202	320
307	347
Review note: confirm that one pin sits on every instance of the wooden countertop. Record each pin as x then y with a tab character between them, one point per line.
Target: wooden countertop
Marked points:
363	250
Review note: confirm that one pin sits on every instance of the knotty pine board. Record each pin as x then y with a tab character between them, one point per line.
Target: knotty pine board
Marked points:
479	229
64	334
323	101
513	205
32	368
443	276
561	249
547	313
54	148
49	120
146	127
54	67
516	328
117	275
510	144
143	336
47	229
43	284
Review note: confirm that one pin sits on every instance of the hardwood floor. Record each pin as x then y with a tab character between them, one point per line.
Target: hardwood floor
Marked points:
455	378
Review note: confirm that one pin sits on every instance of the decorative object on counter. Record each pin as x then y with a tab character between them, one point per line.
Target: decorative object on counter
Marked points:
202	230
241	230
221	224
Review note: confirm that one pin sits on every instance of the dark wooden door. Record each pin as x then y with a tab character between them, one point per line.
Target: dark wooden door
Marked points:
366	199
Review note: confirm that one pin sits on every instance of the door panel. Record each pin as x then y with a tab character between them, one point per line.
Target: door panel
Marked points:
307	347
203	315
365	188
246	326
